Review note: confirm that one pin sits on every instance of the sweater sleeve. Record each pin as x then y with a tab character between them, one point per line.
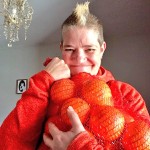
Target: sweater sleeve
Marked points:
84	142
128	99
22	128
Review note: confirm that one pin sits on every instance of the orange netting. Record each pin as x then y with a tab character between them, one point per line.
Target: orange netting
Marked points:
91	98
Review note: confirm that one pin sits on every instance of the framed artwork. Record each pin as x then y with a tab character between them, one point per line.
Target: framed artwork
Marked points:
21	85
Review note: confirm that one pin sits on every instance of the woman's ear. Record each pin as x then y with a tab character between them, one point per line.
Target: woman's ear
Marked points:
103	47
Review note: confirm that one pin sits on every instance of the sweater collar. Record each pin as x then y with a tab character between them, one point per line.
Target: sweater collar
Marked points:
104	74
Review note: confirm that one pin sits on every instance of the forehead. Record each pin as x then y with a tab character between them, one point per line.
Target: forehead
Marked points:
82	34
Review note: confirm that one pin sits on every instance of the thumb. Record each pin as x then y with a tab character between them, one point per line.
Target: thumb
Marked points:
75	120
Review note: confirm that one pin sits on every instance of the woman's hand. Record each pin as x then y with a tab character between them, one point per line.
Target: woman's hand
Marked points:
61	140
58	69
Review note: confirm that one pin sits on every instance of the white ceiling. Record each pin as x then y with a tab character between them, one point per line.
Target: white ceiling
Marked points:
119	17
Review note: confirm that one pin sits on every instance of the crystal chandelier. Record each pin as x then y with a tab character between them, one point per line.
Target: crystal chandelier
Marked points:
17	14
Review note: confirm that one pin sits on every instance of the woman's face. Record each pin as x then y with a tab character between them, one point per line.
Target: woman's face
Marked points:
81	50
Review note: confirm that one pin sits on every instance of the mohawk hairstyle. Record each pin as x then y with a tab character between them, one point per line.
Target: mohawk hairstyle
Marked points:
81	12
82	17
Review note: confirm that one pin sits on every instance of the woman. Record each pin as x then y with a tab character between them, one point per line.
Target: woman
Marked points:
82	48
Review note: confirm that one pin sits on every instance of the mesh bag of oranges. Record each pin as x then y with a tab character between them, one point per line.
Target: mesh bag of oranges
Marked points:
92	100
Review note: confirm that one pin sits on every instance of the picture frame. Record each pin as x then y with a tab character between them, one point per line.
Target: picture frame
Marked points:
21	85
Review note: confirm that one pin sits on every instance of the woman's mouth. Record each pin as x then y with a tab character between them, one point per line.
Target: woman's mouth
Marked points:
80	68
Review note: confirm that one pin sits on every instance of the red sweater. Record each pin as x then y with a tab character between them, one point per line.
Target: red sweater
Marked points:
23	128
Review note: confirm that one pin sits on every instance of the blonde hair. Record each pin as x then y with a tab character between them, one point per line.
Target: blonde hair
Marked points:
82	17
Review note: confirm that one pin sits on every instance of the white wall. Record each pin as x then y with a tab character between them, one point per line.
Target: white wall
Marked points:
15	63
129	60
49	51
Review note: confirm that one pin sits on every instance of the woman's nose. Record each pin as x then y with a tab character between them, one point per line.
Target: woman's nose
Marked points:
80	56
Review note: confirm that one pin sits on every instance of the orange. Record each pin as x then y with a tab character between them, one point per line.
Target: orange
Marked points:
106	122
79	79
80	106
136	136
98	92
61	90
114	145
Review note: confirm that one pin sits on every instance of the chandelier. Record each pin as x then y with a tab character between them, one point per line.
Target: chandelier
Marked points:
17	14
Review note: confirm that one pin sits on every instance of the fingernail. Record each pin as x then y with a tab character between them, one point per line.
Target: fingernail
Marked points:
70	108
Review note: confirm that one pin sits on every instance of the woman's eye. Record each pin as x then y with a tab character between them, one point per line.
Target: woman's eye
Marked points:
69	50
90	50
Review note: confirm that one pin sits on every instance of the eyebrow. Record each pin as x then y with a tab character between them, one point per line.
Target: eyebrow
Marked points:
89	46
83	46
68	46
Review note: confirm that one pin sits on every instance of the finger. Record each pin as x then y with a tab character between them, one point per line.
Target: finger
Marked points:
53	129
74	118
47	141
